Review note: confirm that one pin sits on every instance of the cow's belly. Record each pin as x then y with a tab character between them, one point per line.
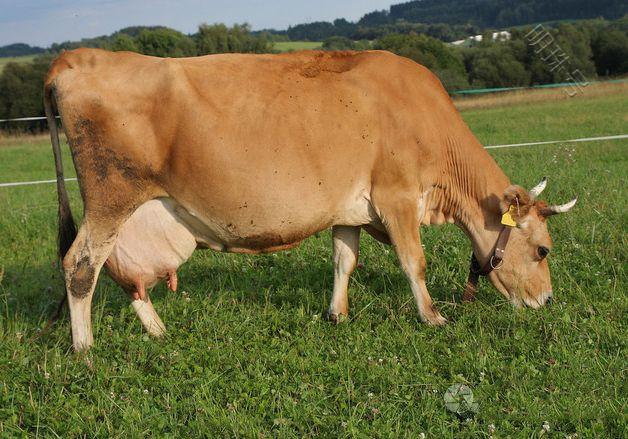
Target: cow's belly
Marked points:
257	227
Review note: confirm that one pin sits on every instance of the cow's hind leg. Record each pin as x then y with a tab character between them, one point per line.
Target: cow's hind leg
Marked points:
149	317
346	244
82	264
113	183
145	311
402	224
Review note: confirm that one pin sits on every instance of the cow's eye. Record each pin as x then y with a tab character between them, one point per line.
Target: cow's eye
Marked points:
542	251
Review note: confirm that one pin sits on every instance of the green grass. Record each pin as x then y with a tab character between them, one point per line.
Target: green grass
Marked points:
248	354
19	59
286	46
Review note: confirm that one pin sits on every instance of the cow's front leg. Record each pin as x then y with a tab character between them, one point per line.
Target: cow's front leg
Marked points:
346	245
403	228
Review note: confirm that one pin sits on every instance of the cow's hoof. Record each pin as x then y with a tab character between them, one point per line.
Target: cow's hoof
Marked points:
335	318
156	329
468	297
435	319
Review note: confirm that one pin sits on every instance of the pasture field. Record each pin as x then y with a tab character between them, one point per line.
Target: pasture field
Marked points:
286	46
5	60
248	353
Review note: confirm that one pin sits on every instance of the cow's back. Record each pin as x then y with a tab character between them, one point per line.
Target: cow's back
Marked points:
264	150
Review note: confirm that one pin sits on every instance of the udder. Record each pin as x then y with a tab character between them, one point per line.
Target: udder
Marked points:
150	247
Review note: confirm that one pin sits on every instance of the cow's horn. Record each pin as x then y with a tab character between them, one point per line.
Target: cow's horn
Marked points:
561	208
536	190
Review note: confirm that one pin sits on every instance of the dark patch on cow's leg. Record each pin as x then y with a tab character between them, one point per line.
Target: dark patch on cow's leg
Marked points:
82	278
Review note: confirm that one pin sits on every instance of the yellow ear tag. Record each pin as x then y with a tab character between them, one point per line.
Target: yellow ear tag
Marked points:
507	219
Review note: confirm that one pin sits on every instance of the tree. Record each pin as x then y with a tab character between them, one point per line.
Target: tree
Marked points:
165	42
343	43
219	38
564	50
576	44
375	18
124	42
317	31
495	64
22	87
610	52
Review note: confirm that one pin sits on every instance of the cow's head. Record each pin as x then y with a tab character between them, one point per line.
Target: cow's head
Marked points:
524	276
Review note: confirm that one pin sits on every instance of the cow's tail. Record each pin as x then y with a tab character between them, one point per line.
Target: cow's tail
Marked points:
67	227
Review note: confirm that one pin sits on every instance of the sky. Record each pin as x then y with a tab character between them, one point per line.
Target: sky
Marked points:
42	22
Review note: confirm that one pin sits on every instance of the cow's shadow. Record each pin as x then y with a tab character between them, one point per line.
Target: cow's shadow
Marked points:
286	280
283	282
290	279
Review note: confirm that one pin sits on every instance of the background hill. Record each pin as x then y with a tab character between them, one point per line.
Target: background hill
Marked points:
19	49
501	13
452	19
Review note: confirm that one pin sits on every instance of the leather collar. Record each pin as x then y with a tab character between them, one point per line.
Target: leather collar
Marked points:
494	262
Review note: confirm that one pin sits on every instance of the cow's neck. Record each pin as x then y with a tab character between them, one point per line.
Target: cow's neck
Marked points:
469	194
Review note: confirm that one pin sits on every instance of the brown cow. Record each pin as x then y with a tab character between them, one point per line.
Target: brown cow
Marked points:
258	152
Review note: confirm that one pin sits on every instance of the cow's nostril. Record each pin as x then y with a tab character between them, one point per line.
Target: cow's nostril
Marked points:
549	300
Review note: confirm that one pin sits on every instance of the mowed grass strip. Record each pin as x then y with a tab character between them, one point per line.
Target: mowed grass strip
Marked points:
18	59
248	353
540	95
287	46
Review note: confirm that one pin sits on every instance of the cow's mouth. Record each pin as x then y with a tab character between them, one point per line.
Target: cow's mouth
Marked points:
536	302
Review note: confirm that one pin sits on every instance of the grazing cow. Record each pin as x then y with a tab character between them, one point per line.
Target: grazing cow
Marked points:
258	152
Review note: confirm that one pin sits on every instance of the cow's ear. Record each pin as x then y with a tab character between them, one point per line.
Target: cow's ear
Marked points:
519	199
